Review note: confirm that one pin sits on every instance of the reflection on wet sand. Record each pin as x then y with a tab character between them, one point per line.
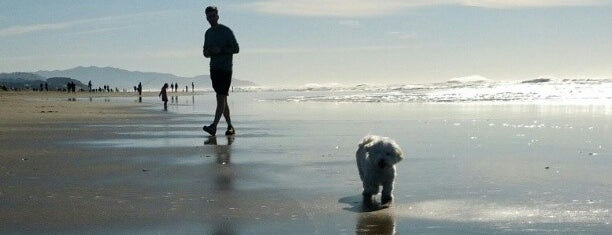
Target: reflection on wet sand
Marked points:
225	174
372	218
224	180
224	227
377	222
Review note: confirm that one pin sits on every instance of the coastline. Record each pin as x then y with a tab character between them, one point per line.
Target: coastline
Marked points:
119	166
20	108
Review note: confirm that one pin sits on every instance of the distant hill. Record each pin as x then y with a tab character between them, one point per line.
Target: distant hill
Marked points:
60	82
20	76
21	80
120	78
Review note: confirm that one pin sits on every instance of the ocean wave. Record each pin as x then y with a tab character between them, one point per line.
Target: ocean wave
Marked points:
539	80
465	90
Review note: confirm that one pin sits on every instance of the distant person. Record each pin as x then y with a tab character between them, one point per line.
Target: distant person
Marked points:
139	89
192	87
164	95
219	45
176	87
46	86
89	85
172	87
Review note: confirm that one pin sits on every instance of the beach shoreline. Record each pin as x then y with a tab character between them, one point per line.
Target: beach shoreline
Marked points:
115	165
49	107
48	183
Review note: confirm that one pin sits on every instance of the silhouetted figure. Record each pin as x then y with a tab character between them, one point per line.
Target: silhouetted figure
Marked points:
46	86
192	87
176	87
186	88
70	87
89	85
219	45
164	95
139	89
172	87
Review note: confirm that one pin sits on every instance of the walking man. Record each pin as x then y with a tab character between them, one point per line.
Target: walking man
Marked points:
219	45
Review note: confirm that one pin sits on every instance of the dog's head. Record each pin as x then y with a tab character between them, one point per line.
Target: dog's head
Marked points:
382	152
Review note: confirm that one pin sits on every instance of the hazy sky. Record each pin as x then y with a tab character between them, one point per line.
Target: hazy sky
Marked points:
294	42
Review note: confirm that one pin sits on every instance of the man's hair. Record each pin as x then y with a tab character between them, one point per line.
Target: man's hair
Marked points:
210	9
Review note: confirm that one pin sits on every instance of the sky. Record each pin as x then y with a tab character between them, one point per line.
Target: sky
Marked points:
297	42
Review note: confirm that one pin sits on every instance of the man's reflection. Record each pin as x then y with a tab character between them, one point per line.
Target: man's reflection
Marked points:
225	174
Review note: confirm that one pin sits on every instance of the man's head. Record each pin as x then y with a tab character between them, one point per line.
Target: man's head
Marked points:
212	15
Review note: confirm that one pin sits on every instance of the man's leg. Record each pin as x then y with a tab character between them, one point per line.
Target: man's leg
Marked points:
226	114
221	105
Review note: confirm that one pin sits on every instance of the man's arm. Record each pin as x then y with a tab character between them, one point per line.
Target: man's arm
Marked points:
205	52
232	45
206	47
209	51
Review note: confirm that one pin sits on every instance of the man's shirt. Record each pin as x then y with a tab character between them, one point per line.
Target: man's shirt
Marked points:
221	36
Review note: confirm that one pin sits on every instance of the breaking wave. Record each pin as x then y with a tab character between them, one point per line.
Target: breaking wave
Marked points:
589	91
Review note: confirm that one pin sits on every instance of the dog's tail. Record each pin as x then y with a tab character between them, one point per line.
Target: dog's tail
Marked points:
362	153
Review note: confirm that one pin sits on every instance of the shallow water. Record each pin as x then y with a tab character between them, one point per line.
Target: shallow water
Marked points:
468	168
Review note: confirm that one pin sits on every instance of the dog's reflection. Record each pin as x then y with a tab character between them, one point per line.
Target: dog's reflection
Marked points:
372	218
224	227
225	173
378	222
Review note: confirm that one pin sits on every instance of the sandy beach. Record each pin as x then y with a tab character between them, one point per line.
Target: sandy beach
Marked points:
71	164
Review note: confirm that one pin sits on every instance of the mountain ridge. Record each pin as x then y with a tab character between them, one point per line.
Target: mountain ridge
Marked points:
122	78
24	80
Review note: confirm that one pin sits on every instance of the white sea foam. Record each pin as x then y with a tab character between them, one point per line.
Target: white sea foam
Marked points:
467	89
480	211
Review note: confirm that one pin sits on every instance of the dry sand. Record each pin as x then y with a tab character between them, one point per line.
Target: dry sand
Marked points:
49	107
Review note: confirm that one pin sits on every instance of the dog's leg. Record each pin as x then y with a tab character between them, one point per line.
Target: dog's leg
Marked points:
387	192
370	188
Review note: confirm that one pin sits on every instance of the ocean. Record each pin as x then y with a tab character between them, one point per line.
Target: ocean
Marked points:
480	158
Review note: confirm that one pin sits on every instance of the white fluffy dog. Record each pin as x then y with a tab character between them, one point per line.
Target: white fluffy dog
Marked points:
376	159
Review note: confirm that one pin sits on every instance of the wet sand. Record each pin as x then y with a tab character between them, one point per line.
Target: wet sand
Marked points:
128	167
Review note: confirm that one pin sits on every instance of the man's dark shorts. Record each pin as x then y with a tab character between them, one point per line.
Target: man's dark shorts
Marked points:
221	80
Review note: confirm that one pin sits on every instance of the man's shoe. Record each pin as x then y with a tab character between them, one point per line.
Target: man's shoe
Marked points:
210	130
230	131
